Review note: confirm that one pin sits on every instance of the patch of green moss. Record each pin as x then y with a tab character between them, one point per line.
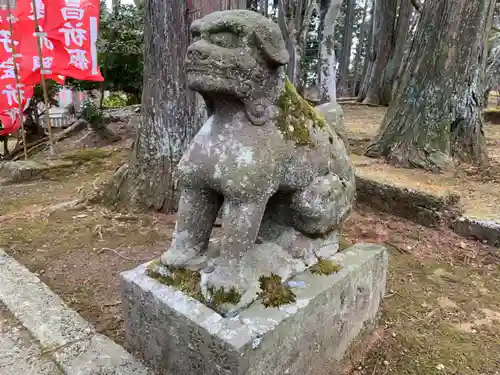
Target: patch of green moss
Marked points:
220	297
188	282
296	115
325	267
85	155
344	244
273	293
182	279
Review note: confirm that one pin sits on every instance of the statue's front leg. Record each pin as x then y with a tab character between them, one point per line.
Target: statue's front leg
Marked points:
198	208
241	222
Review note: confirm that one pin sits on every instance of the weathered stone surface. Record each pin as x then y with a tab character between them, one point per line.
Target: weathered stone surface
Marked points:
483	230
179	335
20	354
422	208
265	156
334	115
68	339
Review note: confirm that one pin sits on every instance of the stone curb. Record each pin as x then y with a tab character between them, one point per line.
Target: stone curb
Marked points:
423	208
63	334
487	231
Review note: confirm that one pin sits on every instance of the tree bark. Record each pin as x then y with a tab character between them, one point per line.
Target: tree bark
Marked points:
369	54
115	5
359	51
171	114
378	82
346	49
436	114
203	7
167	113
327	70
402	31
287	22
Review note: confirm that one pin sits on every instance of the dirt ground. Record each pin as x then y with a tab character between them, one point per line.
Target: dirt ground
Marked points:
479	189
441	314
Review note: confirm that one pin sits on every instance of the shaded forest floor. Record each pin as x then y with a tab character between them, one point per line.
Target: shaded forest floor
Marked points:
441	314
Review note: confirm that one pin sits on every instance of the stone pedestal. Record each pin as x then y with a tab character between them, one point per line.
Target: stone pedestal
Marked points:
180	336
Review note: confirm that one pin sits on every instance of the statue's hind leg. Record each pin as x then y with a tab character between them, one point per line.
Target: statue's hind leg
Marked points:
323	206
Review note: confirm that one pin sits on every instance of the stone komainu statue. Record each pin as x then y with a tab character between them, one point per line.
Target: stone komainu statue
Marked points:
279	171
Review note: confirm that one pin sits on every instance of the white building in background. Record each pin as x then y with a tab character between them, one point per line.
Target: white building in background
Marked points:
66	96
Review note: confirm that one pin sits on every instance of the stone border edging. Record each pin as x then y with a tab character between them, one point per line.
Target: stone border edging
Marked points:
487	231
425	209
420	207
63	334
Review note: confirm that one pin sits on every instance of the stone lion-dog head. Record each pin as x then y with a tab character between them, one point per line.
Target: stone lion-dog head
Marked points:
240	54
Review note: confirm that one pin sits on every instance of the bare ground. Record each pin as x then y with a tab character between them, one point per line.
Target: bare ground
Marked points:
441	314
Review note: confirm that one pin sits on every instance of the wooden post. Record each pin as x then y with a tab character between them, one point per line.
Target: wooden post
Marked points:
16	73
39	35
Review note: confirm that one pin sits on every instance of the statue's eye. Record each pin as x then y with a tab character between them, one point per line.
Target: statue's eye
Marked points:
225	39
195	35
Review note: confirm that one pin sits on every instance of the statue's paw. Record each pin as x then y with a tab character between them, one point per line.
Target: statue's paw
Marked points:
228	287
175	257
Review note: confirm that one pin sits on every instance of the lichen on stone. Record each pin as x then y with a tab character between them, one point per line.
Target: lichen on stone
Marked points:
325	267
274	293
182	279
296	115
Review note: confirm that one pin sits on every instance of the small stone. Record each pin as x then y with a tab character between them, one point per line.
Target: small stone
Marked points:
440	367
297	284
256	343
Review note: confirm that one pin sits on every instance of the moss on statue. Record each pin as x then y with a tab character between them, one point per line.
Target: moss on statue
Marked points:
220	297
273	293
325	267
188	282
344	244
296	116
182	279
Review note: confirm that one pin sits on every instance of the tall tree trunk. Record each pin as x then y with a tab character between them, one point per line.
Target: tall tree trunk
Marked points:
286	23
203	7
359	51
436	114
402	31
115	5
327	70
346	48
378	73
171	114
370	53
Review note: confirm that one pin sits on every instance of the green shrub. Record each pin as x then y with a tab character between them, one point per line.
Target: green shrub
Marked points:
91	113
115	100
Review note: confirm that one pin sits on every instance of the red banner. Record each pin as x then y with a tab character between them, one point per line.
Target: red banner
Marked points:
68	31
9	90
30	64
75	24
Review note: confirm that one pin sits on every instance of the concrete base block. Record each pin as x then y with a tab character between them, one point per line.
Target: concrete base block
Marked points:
179	335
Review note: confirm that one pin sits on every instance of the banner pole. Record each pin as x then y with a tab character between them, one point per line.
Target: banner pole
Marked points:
39	35
16	73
